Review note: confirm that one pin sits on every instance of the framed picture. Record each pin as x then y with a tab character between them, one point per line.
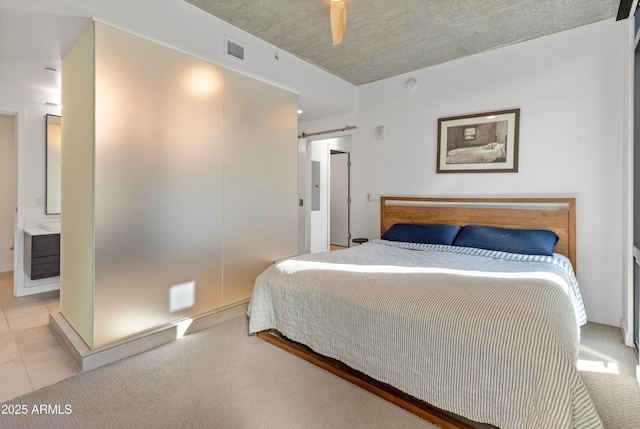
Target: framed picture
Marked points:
480	143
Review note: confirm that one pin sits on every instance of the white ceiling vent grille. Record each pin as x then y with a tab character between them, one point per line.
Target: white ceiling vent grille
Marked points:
234	49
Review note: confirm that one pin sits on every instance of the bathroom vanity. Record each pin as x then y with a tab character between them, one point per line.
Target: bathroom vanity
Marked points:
42	251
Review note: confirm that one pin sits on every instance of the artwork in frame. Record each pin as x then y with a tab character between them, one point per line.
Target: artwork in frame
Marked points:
479	143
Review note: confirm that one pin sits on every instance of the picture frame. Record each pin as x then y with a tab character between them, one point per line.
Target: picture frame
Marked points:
479	143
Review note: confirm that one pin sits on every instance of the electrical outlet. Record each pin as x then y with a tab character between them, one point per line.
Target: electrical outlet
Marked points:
38	201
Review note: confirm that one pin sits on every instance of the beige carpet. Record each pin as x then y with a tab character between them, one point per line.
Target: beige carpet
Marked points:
615	392
218	378
221	378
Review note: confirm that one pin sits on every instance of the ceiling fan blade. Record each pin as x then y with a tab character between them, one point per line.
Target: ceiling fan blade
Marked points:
338	21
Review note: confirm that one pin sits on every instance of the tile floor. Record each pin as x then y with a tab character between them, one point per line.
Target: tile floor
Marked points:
31	356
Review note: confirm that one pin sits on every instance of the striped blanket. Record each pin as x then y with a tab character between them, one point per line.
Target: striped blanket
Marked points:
489	336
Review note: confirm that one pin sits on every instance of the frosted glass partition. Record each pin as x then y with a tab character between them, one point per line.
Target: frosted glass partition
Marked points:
260	183
178	185
76	245
158	185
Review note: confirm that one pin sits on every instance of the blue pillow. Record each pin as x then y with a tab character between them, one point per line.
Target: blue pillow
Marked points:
522	241
428	234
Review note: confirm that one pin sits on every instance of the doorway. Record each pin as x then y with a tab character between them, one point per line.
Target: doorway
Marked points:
8	197
636	200
339	168
314	183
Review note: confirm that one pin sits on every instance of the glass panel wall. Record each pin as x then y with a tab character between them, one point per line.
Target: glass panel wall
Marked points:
260	180
158	185
179	185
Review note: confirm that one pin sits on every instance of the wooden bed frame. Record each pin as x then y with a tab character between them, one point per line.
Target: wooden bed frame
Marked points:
384	391
554	214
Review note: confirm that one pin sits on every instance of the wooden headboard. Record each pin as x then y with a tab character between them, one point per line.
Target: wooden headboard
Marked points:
554	214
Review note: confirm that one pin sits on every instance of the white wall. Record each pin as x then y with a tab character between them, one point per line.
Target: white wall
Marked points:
320	218
569	87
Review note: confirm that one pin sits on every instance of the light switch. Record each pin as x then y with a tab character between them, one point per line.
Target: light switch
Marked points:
380	133
315	186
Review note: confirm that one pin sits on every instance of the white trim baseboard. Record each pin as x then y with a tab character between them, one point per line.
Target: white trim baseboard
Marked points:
604	318
87	359
627	334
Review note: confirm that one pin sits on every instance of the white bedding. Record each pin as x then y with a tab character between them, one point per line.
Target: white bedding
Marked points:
489	336
475	154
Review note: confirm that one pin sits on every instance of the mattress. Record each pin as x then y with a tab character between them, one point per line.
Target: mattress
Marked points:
490	336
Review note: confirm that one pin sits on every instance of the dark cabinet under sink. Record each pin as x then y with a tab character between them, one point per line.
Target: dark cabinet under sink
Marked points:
41	255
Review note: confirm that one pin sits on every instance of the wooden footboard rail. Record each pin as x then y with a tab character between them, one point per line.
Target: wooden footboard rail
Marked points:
384	391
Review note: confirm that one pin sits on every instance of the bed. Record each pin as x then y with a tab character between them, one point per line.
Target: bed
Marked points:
492	152
485	334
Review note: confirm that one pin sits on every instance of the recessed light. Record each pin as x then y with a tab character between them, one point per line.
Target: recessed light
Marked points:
299	111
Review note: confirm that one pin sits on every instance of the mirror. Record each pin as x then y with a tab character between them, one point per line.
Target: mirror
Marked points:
54	150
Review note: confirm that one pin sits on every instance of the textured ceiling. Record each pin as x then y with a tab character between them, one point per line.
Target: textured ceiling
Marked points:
385	38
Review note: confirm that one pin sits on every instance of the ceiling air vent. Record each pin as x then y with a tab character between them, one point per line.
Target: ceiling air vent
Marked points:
234	49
